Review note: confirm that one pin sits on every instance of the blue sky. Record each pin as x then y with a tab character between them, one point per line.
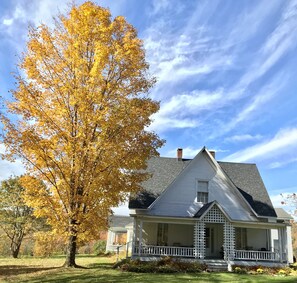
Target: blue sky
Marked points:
226	75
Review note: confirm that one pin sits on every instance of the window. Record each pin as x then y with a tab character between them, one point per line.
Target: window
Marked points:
162	235
202	197
202	192
120	238
241	238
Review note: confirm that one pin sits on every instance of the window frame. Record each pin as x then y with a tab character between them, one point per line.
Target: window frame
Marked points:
202	195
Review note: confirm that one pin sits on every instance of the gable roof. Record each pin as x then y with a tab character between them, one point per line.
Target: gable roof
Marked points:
203	209
119	221
164	170
282	214
245	177
207	207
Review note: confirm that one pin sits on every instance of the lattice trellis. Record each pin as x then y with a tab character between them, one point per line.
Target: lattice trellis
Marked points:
199	240
214	215
229	241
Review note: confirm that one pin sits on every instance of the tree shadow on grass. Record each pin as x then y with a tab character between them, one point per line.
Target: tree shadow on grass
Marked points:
100	265
9	270
150	278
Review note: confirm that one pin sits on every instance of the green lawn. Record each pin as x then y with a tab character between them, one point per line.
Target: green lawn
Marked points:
99	269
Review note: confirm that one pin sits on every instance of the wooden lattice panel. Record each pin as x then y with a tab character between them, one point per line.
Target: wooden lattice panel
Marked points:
229	241
199	240
214	215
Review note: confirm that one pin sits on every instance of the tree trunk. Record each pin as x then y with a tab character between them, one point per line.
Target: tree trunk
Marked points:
15	245
71	251
15	252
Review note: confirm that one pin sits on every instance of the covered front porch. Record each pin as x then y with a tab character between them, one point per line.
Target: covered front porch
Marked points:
203	240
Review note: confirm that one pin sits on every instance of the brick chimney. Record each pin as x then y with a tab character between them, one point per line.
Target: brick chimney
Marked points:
213	153
179	154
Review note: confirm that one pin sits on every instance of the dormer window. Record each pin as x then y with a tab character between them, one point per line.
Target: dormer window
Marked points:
202	192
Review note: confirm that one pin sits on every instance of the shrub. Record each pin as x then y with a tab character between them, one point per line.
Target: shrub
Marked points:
284	271
100	247
260	271
240	270
164	265
281	272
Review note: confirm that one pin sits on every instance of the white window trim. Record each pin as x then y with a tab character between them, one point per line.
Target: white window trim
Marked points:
202	191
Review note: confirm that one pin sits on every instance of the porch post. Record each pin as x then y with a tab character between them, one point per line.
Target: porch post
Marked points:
199	240
140	237
284	244
134	239
280	241
229	241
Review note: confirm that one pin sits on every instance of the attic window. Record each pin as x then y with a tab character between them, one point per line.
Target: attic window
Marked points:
202	192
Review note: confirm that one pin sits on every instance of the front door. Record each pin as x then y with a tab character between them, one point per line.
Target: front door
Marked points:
214	240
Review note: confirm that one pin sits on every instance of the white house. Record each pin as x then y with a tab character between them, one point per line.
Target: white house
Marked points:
119	233
203	209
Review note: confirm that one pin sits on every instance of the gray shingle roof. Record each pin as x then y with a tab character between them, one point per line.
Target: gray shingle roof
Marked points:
164	170
244	176
247	179
200	212
282	214
120	221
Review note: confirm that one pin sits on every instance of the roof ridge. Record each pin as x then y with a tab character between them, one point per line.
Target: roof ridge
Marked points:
242	163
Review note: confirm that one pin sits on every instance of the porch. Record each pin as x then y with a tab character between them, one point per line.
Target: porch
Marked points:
185	252
210	241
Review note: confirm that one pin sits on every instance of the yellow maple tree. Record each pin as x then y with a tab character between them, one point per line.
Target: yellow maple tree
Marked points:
81	116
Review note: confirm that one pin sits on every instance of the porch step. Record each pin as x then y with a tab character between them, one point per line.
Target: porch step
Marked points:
216	265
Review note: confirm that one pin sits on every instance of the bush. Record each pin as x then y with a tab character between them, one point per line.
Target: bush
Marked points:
164	265
260	270
100	247
240	270
284	271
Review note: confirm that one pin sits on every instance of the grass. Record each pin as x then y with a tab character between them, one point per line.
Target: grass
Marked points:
98	269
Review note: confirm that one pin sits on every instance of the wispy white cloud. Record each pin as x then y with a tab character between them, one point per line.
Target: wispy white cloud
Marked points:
282	39
159	6
242	138
161	124
181	111
7	22
253	107
284	142
281	200
8	168
282	163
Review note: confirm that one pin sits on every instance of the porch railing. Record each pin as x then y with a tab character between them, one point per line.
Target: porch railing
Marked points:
257	255
150	250
145	250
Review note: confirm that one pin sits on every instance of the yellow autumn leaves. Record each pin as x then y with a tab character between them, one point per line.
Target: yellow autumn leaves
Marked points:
84	112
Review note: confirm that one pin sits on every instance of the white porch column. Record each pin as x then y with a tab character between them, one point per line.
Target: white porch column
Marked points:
284	244
140	237
289	244
229	241
134	239
199	240
280	241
